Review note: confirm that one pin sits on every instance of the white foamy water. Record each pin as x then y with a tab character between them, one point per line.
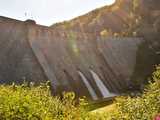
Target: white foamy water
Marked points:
104	91
89	87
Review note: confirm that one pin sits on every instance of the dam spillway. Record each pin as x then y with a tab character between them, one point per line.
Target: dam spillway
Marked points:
38	53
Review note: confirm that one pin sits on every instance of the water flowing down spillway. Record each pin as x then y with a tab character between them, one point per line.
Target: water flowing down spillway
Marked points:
105	92
89	87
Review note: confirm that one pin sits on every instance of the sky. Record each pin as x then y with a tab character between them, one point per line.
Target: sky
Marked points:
47	12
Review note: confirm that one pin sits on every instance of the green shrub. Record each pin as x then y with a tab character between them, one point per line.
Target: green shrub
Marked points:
36	103
144	107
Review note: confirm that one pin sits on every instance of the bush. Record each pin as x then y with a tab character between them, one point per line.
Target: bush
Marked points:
36	103
144	107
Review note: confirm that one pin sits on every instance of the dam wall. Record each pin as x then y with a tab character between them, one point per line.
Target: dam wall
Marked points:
72	61
17	61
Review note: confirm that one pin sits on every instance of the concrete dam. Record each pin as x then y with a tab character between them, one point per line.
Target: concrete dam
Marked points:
71	61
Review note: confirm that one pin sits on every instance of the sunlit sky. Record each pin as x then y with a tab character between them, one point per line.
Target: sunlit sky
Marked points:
47	12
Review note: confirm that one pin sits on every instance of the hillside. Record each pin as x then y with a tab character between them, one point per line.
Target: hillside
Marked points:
118	18
106	18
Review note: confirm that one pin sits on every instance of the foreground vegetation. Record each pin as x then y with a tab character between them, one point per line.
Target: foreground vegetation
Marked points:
144	107
36	103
